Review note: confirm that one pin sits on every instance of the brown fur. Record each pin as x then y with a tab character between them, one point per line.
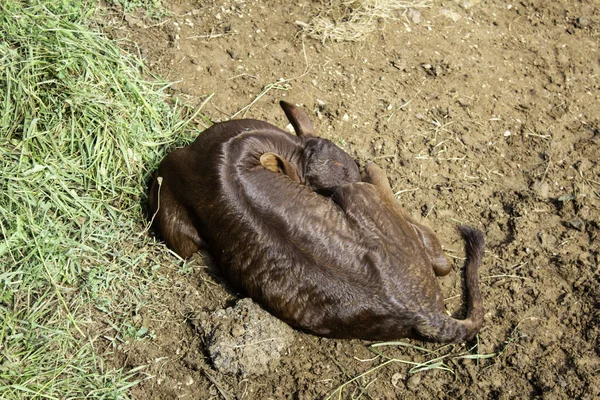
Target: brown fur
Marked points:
351	265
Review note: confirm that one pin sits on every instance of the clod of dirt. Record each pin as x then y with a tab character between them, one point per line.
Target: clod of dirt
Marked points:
245	340
414	382
542	189
436	70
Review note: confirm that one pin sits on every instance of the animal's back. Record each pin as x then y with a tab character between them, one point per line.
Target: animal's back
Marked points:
284	245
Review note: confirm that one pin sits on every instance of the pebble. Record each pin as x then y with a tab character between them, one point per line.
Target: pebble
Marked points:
582	22
396	379
233	54
466	4
414	16
576	223
453	15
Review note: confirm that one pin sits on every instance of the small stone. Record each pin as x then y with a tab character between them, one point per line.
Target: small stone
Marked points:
466	4
396	379
414	16
345	118
233	54
188	380
582	22
576	223
453	15
433	70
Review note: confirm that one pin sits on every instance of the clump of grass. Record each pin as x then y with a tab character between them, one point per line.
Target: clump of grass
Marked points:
355	20
79	132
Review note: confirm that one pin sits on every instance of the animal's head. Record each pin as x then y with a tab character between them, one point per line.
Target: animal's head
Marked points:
326	166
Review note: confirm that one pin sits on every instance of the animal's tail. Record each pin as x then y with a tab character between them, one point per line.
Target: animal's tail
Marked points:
443	328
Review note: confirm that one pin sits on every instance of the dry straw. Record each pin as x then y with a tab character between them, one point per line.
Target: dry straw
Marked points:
355	20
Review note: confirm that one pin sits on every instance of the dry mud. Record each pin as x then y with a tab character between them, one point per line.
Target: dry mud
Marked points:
486	113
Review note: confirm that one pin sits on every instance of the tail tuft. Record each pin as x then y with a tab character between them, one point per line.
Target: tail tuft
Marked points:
474	244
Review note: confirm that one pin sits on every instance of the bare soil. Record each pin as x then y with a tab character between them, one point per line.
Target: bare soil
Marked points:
486	114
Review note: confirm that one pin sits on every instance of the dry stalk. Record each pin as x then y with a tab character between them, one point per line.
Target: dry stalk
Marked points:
355	20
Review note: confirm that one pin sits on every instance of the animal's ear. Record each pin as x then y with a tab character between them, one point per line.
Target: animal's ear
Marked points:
298	118
274	162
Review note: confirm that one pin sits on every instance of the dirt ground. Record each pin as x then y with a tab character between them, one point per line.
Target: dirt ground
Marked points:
486	113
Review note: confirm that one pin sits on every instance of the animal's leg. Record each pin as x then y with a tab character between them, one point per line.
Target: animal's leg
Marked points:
172	221
440	263
377	176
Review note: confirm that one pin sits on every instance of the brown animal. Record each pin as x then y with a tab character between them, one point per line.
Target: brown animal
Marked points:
306	159
350	265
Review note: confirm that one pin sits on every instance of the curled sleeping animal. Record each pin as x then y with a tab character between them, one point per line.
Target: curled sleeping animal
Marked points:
291	223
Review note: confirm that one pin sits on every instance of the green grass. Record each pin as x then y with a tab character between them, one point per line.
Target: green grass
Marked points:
152	8
80	131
